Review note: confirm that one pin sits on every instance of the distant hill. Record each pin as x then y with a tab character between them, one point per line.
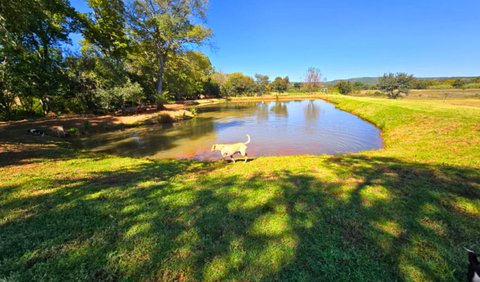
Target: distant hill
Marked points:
374	80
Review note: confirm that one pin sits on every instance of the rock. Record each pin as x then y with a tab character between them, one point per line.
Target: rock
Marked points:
57	130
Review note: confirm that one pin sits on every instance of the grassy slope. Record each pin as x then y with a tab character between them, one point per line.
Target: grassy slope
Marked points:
402	213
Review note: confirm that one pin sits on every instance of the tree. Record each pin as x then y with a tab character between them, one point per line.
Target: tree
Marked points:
262	83
162	28
313	79
358	86
106	29
344	87
458	83
421	83
186	74
239	84
280	84
216	84
32	34
395	84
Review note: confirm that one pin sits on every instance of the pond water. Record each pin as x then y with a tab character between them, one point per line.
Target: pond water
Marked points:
306	127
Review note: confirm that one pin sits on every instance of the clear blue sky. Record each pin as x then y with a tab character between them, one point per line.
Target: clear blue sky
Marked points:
344	38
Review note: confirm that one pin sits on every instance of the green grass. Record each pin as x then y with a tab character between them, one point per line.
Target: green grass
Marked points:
401	213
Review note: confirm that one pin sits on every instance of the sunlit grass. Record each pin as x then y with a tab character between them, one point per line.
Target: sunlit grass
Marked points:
401	213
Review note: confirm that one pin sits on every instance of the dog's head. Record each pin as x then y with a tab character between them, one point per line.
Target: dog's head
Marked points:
473	267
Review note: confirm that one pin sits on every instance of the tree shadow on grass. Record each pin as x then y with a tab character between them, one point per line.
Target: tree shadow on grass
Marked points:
374	218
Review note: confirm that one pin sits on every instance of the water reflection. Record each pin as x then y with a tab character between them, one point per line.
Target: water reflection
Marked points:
262	111
276	128
312	112
280	109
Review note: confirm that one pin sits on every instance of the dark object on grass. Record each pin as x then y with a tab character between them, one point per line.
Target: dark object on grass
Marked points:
37	132
473	267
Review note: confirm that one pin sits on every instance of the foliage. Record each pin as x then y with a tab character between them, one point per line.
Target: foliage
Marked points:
395	84
472	85
440	86
422	83
238	84
262	83
119	97
138	42
31	36
280	84
344	87
106	31
458	83
162	28
187	75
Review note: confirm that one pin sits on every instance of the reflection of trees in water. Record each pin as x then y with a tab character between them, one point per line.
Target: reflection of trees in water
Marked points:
262	111
151	139
312	112
280	108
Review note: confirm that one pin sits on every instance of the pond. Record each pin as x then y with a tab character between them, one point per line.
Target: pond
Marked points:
306	127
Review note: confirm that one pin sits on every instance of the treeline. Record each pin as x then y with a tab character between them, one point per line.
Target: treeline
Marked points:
458	83
347	87
133	53
238	84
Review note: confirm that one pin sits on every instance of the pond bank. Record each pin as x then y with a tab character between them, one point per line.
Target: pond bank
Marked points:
76	215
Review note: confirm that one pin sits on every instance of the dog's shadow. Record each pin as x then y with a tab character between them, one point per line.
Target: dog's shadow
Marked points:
238	160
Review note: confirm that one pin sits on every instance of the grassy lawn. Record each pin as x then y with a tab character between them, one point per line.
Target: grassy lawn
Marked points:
401	213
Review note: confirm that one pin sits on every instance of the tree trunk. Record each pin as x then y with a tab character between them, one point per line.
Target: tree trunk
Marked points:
159	86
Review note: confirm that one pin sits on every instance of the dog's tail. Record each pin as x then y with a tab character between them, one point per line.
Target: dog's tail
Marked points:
248	141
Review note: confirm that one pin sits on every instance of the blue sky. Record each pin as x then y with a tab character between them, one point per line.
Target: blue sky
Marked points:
344	38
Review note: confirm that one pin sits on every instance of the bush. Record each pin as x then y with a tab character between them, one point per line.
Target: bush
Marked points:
441	86
344	87
472	85
119	97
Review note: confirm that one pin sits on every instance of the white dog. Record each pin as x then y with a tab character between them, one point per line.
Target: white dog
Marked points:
228	150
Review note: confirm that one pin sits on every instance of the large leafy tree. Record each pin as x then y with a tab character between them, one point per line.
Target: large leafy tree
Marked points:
187	74
106	32
395	84
163	28
239	84
32	35
262	83
280	84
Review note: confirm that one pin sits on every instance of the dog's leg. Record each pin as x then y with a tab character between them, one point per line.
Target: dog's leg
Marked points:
244	154
233	159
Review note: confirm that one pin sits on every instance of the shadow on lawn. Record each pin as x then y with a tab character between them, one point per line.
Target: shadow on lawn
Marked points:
378	219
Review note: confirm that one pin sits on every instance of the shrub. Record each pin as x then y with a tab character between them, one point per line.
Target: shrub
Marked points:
472	85
118	97
441	86
344	87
